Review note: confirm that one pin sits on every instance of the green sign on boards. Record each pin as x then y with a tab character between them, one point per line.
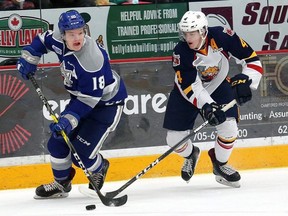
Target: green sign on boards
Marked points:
143	31
18	31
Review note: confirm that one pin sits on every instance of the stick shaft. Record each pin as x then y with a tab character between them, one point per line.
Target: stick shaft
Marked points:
168	152
105	200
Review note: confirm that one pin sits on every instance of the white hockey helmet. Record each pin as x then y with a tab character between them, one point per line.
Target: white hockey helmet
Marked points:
193	21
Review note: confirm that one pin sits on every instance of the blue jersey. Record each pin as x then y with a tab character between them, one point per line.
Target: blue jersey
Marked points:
86	73
199	73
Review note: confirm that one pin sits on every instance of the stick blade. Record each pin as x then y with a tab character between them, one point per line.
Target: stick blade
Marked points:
116	201
107	201
112	194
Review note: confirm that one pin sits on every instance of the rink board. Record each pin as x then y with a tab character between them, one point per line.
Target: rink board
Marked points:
125	168
148	84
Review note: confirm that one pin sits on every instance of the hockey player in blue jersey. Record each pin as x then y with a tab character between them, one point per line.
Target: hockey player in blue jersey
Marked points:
97	97
202	85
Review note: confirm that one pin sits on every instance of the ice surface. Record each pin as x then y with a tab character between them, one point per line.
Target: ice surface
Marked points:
262	192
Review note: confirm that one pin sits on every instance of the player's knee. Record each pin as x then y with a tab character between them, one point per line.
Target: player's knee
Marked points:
228	130
174	137
57	147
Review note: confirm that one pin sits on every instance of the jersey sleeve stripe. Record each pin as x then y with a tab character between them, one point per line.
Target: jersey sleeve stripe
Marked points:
255	67
188	89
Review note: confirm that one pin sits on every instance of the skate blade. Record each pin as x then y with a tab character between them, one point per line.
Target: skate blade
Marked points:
55	196
223	181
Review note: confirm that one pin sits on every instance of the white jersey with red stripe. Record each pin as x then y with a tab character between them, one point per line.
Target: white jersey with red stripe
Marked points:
199	73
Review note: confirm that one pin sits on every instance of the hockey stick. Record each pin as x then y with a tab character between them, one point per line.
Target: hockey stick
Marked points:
155	162
108	201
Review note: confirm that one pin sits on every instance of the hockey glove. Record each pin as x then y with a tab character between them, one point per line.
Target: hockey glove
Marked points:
27	63
241	88
67	122
213	114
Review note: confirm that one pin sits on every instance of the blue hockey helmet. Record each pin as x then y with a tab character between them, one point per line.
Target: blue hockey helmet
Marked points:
70	20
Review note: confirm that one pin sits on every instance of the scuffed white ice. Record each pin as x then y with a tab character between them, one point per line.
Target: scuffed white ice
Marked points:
262	193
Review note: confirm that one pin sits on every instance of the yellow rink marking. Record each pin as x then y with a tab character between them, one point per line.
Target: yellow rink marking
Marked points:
125	168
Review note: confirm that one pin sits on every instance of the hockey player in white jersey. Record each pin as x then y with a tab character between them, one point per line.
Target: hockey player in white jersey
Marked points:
97	97
202	85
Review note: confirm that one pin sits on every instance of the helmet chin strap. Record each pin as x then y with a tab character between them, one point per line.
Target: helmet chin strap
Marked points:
201	45
203	37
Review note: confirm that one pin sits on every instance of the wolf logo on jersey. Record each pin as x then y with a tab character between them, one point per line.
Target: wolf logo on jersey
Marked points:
67	74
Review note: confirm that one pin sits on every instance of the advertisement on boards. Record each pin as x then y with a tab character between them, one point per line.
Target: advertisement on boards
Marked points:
137	31
150	30
143	31
25	121
261	23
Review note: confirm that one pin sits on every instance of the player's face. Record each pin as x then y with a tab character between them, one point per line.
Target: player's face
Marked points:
193	39
74	38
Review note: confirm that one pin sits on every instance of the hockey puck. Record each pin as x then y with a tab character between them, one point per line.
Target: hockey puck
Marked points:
90	207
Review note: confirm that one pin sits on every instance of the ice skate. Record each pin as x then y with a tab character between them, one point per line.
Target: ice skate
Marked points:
99	177
224	174
190	164
55	189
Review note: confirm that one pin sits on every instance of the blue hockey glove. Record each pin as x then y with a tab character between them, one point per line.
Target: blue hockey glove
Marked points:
27	63
213	114
241	88
67	122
